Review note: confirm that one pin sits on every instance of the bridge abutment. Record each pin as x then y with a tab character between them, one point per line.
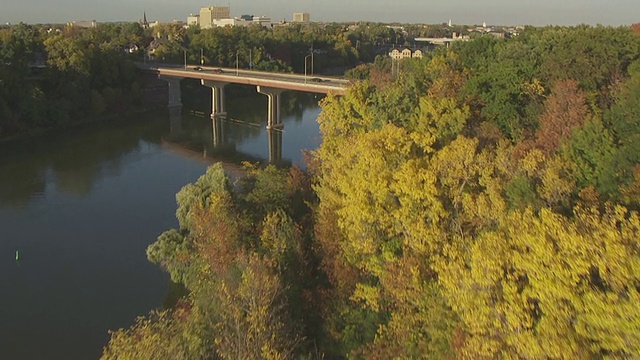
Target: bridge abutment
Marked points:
274	119
217	97
175	95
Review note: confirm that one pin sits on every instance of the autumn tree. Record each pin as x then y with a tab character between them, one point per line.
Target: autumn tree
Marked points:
564	109
547	286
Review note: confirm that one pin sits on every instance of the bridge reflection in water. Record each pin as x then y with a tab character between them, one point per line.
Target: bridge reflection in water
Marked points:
220	147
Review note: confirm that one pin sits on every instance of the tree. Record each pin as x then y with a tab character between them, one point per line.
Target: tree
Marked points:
623	120
162	335
547	286
592	151
253	317
564	110
213	181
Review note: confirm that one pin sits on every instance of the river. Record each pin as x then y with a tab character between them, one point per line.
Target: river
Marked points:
81	205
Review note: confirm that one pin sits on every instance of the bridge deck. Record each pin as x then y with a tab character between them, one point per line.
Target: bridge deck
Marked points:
309	83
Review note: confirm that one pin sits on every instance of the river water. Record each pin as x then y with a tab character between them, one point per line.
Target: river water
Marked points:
80	206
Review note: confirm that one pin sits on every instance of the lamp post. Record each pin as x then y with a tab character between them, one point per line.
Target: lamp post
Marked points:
237	71
305	67
185	58
312	58
201	56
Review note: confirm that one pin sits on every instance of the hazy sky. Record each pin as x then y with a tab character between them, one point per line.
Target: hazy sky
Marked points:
512	12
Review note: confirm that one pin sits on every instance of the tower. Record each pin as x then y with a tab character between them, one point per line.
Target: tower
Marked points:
145	23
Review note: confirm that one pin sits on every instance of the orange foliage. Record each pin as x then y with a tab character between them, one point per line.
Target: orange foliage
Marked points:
564	110
379	78
216	233
342	276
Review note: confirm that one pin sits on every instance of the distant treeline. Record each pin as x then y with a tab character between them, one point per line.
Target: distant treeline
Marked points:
50	78
479	203
51	75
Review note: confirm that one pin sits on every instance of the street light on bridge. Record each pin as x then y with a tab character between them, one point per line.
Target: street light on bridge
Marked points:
305	67
237	71
312	52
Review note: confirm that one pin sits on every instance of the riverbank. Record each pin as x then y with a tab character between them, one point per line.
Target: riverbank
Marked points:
131	113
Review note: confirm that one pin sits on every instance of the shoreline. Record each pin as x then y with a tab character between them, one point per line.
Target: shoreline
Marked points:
87	120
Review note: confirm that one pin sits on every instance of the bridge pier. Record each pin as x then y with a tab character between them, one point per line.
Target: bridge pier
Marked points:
274	119
218	131
217	97
175	96
275	146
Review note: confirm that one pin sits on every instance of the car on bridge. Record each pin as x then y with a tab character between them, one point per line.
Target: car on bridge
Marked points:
316	79
198	68
218	71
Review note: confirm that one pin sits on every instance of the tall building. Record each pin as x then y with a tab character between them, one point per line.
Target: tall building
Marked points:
209	14
301	17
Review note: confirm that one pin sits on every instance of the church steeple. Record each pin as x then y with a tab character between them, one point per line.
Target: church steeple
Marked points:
145	24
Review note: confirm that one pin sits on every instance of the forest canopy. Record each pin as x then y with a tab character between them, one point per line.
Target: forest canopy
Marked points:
481	202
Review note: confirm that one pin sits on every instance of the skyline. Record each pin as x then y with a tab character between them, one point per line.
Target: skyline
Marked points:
495	12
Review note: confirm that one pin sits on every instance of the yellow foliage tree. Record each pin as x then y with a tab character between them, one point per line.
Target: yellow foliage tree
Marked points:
546	286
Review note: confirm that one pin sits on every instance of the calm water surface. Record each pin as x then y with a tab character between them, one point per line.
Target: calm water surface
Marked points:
82	205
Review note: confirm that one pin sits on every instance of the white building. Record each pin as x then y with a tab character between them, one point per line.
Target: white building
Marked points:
193	19
301	17
83	24
262	20
405	53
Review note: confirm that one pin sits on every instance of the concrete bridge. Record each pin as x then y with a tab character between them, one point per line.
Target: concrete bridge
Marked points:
270	84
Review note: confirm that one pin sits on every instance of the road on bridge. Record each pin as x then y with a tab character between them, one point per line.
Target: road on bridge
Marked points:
308	83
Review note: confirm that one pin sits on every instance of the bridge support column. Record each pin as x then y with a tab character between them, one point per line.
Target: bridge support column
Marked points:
274	120
217	97
218	131
175	96
275	146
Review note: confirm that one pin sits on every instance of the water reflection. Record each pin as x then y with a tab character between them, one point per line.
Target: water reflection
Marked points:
242	134
175	122
71	161
275	146
74	160
81	205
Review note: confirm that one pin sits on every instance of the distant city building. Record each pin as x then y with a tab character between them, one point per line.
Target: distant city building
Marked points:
262	20
83	24
406	53
193	19
219	16
301	17
226	22
208	16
